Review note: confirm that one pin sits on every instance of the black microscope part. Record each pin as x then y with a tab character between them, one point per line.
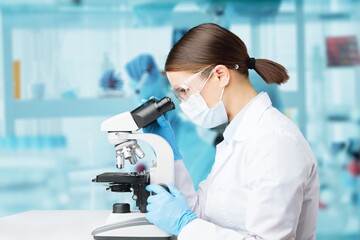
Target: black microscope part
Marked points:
128	182
165	187
151	110
121	208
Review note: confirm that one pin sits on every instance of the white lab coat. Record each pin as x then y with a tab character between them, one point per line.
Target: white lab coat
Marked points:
263	184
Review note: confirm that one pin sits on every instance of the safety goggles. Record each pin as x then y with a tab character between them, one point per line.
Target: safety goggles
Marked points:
193	84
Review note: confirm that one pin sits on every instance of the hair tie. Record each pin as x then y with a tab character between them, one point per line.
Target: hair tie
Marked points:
251	63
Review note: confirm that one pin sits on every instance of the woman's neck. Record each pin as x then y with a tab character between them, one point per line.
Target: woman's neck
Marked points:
237	95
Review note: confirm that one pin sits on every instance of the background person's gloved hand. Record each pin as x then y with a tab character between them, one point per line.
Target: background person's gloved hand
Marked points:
169	211
145	75
140	65
163	128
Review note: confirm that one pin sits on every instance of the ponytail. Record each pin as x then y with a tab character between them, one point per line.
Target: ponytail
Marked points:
270	71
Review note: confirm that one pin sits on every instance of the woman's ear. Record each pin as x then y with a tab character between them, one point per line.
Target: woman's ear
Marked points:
222	74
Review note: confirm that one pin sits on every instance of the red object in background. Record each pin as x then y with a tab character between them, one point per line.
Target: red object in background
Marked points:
342	51
322	205
354	168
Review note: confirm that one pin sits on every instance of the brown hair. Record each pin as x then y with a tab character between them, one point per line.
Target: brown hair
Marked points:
209	44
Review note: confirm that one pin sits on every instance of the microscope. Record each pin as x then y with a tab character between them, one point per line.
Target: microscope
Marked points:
122	222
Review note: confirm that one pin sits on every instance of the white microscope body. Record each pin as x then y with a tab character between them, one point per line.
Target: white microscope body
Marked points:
123	223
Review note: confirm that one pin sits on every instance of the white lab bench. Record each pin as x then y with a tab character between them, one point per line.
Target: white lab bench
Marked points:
51	225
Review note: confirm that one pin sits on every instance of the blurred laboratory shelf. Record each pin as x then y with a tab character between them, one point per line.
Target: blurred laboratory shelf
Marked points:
72	107
78	107
55	225
30	162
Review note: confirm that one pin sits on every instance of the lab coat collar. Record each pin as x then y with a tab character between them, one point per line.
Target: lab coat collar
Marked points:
234	124
251	117
244	129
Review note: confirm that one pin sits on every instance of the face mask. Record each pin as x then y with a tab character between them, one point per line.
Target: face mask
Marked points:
197	110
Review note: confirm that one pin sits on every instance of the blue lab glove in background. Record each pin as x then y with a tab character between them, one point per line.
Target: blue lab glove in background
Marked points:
163	128
146	78
141	64
168	211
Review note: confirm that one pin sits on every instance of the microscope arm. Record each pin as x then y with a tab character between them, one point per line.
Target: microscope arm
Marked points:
163	172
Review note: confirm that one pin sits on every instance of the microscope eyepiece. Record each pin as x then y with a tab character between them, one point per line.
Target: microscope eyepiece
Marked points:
165	104
151	110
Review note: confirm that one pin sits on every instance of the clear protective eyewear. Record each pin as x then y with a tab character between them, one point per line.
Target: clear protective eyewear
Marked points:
193	84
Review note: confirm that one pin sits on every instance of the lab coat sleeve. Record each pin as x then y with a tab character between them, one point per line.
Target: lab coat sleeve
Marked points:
201	229
195	199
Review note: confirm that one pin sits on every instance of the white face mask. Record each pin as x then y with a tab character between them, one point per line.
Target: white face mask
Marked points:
197	110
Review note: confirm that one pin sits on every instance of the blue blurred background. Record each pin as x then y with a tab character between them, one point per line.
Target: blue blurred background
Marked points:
63	70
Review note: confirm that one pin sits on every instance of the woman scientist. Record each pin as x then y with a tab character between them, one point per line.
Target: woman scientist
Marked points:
264	182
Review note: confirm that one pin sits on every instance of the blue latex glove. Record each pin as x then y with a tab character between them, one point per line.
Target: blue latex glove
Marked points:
141	64
163	128
152	83
169	211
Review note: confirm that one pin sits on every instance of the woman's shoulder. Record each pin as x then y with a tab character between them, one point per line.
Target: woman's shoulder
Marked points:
274	129
276	123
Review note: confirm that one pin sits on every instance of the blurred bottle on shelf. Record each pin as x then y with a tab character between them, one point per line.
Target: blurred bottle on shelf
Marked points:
38	90
38	82
17	79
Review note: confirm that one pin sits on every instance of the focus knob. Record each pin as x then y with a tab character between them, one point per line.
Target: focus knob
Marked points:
121	208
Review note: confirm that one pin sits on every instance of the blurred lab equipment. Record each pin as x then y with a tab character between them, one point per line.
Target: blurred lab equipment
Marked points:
152	13
31	174
342	51
122	222
110	82
354	152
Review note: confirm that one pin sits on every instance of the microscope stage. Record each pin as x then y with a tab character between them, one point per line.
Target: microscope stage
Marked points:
118	177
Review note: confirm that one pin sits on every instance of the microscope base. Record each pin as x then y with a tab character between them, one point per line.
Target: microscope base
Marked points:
131	238
129	226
